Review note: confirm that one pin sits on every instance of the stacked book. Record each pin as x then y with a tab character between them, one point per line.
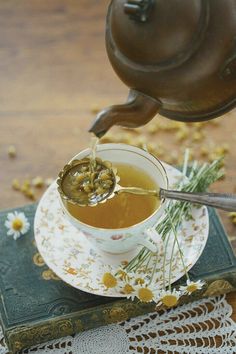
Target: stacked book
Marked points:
36	306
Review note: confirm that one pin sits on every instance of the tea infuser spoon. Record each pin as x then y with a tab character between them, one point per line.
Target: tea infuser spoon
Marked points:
94	196
222	201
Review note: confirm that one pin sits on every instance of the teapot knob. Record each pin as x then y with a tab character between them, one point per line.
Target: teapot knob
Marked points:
138	10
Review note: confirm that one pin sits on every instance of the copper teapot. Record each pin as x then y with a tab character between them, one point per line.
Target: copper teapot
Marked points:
177	57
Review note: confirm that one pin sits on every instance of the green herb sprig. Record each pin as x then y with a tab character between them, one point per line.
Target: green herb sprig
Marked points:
200	177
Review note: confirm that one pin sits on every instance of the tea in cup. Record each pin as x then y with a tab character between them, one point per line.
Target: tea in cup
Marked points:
127	220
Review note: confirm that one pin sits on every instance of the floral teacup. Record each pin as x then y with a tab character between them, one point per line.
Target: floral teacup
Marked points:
126	239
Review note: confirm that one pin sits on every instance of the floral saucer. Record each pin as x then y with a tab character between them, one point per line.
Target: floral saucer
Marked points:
72	258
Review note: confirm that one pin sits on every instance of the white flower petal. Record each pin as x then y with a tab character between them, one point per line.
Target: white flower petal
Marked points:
10	232
26	225
24	230
8	224
16	235
173	292
183	288
11	216
131	296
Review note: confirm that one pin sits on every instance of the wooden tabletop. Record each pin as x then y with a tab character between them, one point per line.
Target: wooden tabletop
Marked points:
54	74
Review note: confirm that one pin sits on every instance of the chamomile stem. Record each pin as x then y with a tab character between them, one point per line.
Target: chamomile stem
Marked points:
171	260
173	247
138	260
143	260
146	267
176	238
164	262
199	180
185	166
153	270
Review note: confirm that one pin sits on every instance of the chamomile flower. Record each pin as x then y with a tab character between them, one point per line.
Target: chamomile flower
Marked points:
17	224
127	288
109	279
169	298
192	286
144	293
140	281
126	283
123	275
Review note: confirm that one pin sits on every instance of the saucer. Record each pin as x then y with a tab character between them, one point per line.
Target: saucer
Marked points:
69	254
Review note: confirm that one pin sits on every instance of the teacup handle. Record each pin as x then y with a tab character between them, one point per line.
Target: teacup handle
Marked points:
152	246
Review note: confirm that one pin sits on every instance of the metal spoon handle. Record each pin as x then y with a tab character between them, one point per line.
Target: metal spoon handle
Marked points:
217	200
137	190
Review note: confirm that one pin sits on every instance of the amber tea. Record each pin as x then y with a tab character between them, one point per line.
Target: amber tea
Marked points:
123	210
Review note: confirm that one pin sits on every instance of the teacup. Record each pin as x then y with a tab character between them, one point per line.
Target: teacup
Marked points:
122	240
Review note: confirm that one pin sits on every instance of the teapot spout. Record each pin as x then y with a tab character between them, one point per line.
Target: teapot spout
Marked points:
138	110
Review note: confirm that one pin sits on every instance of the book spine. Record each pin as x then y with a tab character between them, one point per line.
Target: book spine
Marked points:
39	332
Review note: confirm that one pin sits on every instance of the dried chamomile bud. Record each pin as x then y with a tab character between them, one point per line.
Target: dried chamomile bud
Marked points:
49	181
140	141
151	147
204	151
29	194
108	138
159	152
152	128
214	156
16	184
182	134
174	157
198	136
107	164
222	149
95	109
170	126
27	190
127	139
25	186
104	175
199	125
11	151
38	182
233	217
88	188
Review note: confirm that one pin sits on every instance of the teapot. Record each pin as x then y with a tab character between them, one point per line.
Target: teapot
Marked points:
178	57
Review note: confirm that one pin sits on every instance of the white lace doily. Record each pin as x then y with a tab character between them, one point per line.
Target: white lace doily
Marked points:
200	327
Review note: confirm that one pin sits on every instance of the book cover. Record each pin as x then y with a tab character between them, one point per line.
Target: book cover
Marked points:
36	306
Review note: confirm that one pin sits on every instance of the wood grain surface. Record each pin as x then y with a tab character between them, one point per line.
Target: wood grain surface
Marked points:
54	73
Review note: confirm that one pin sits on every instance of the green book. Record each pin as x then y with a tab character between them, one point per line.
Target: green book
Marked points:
36	306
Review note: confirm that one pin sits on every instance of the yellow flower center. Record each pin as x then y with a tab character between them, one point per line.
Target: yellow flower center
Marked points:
17	224
145	295
128	289
109	280
169	300
139	281
191	288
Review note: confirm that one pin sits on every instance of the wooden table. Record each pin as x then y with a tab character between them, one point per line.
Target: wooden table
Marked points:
54	72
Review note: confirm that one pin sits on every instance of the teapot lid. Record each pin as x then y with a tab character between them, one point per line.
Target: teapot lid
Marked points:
132	27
